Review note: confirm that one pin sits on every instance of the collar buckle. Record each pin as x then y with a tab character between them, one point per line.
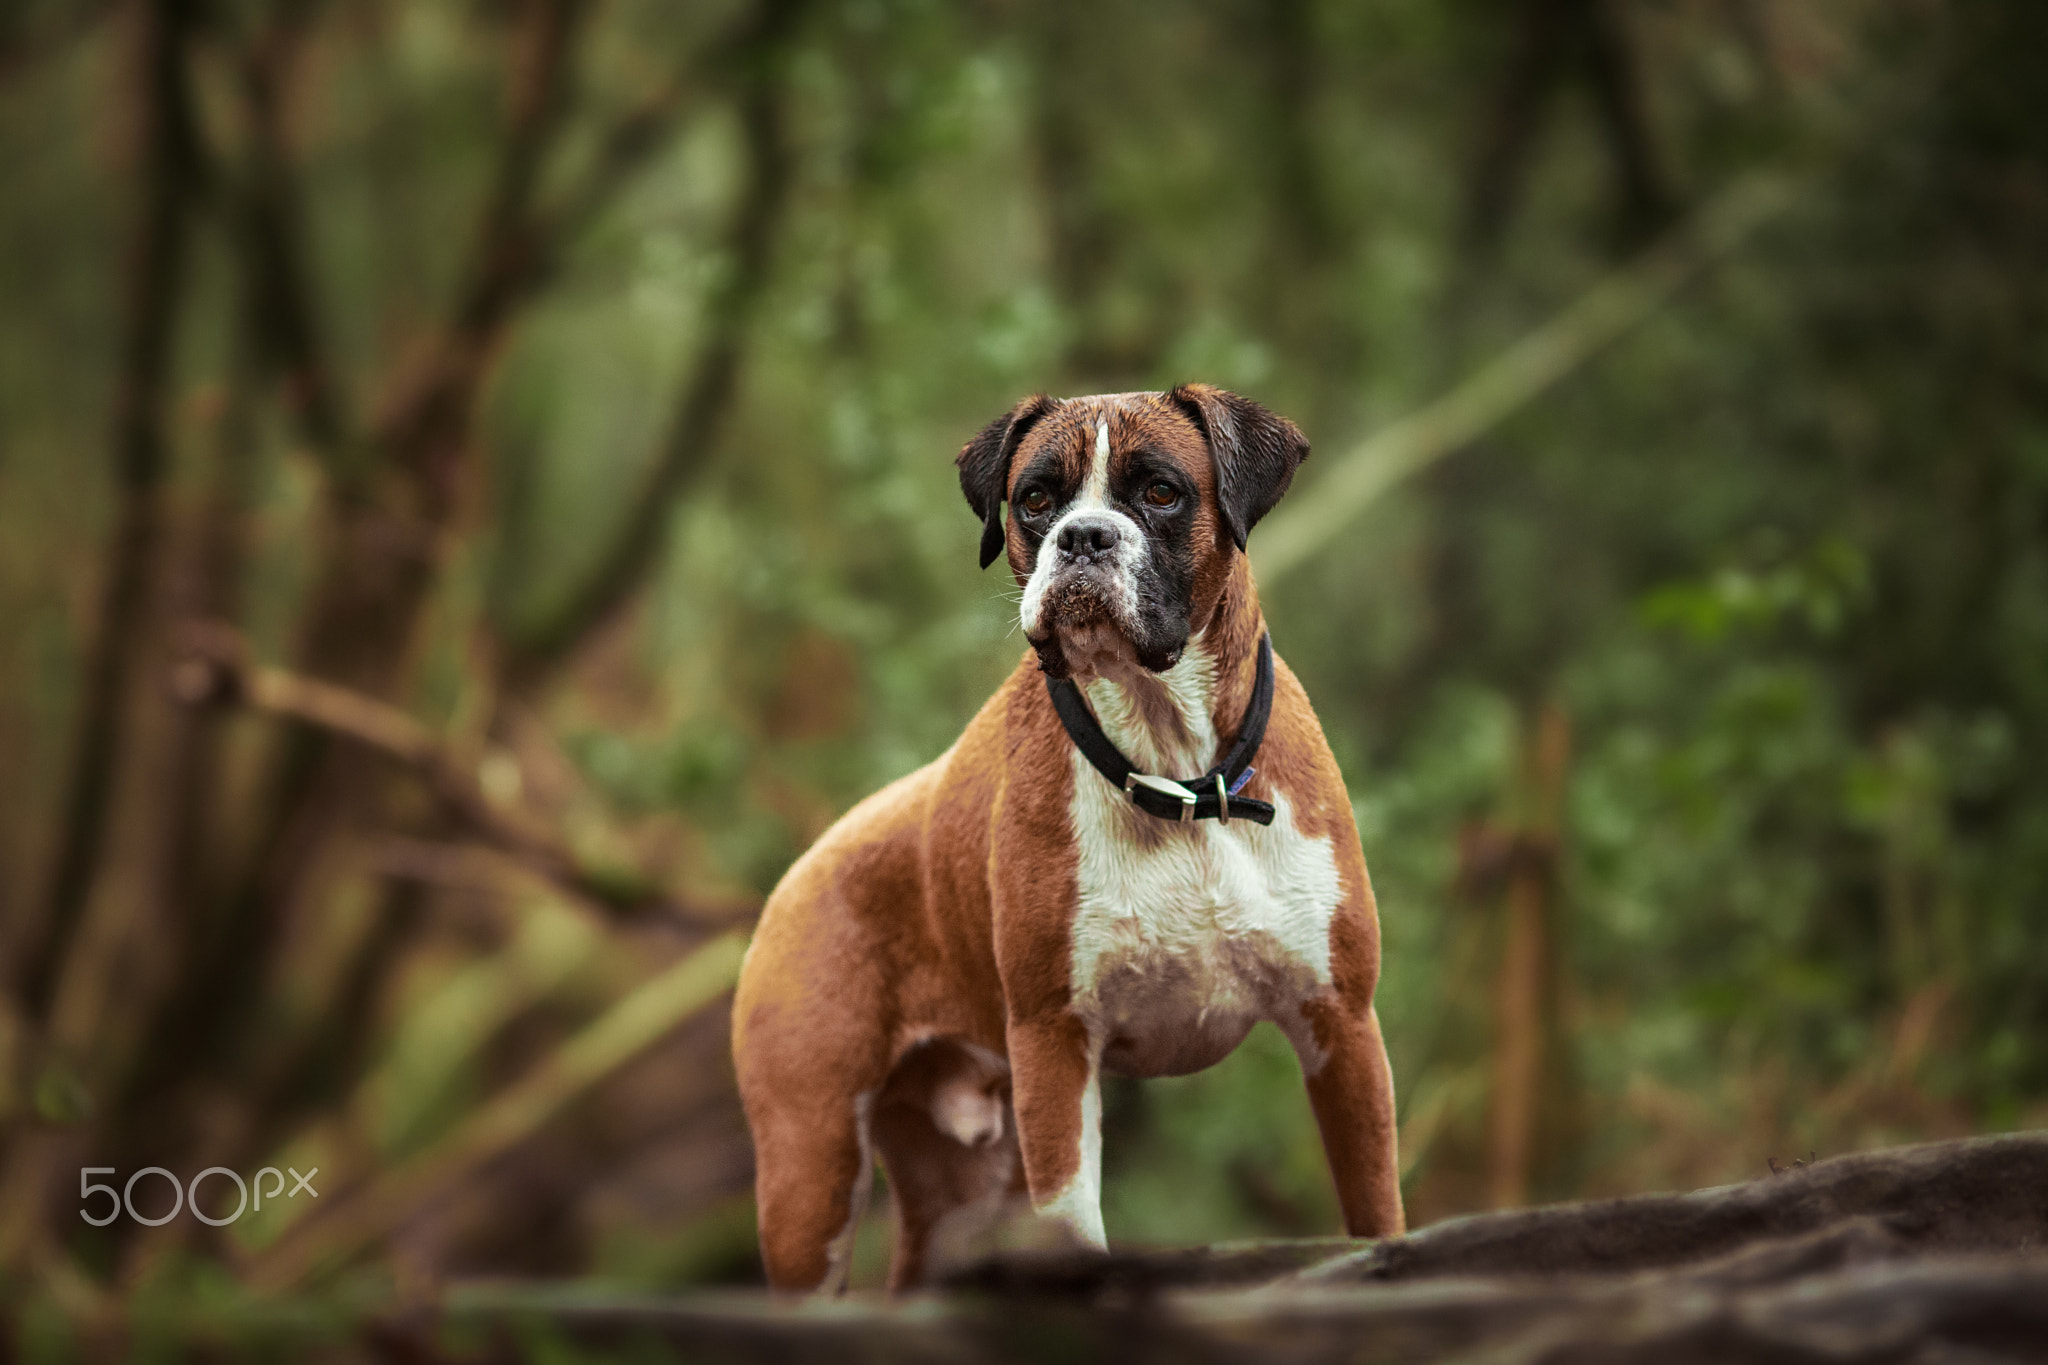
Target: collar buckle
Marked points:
1165	786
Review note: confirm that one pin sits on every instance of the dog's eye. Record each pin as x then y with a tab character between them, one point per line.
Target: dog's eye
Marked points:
1036	501
1162	495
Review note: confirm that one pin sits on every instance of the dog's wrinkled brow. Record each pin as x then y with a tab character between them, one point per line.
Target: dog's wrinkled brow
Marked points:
1057	457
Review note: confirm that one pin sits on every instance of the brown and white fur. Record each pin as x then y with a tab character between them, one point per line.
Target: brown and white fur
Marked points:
940	982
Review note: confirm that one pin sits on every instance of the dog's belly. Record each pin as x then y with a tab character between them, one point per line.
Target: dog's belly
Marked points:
1168	1012
1187	935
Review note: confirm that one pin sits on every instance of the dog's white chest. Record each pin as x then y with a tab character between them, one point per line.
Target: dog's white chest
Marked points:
1186	935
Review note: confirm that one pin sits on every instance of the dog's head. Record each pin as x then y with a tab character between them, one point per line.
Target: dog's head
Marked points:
1124	513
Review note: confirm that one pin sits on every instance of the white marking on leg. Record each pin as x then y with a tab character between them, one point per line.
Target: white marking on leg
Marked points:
1078	1205
839	1252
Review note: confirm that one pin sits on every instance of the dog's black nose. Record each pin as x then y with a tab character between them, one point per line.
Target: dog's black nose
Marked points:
1091	536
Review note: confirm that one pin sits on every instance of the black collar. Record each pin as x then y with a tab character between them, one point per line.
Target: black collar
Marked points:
1212	796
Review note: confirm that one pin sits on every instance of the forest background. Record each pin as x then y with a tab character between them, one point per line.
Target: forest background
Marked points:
476	499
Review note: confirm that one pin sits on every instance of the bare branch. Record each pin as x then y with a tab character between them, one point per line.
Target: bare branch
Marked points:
361	1217
24	42
626	149
712	383
1512	379
1536	60
170	173
1647	202
269	221
425	427
1556	39
217	668
506	247
385	528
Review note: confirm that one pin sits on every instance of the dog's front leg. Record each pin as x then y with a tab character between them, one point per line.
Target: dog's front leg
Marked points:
1056	1088
1351	1088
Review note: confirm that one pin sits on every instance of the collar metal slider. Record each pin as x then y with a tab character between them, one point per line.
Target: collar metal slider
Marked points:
1165	786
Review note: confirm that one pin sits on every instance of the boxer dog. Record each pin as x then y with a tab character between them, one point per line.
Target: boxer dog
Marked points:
940	982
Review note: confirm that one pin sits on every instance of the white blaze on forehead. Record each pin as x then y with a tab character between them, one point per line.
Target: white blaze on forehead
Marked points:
1093	499
1095	492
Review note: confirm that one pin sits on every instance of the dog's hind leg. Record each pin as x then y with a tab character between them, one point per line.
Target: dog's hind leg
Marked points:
948	1141
810	1058
814	1167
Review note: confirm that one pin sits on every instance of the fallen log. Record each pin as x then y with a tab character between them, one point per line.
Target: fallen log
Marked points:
1977	1195
1931	1252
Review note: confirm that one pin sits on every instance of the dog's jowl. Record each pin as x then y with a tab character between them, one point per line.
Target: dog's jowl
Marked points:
1137	850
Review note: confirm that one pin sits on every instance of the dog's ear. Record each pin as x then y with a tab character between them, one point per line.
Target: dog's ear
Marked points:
985	468
1254	452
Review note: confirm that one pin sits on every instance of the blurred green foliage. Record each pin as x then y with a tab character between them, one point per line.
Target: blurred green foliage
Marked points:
1780	556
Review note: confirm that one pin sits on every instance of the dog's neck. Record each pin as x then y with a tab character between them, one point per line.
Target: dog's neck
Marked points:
1178	723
